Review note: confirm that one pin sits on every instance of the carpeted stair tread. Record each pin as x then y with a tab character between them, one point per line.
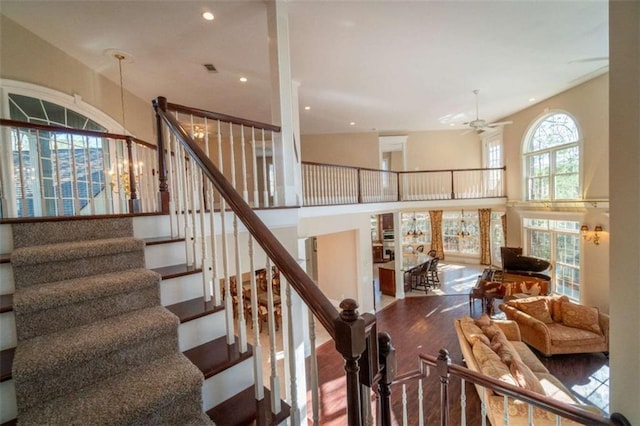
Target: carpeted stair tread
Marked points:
62	349
68	292
128	398
60	231
195	420
243	409
74	250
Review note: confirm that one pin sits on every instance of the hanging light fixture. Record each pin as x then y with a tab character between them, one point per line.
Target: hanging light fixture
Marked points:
413	231
463	233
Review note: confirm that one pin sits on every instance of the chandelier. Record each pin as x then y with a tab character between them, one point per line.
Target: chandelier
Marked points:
463	233
413	231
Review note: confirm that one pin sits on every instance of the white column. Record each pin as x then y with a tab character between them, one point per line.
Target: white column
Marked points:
397	230
624	181
284	106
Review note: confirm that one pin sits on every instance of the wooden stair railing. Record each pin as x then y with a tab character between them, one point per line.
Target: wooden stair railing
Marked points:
445	369
347	328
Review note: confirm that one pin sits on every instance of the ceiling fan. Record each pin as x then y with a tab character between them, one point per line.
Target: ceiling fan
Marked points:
480	125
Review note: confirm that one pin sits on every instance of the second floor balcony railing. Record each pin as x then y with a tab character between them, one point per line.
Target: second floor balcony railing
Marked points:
329	184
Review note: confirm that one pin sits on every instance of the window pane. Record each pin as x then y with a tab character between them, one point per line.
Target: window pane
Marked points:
568	249
539	165
567	160
540	244
557	129
539	189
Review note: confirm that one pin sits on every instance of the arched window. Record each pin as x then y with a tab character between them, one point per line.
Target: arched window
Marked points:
552	159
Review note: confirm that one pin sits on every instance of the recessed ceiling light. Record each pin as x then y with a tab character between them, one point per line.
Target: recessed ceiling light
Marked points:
532	99
243	79
307	108
208	16
353	123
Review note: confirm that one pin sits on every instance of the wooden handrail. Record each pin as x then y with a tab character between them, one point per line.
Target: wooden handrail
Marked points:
321	307
570	412
477	169
81	132
222	117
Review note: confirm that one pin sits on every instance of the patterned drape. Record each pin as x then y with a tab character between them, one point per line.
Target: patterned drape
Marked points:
437	243
503	218
484	216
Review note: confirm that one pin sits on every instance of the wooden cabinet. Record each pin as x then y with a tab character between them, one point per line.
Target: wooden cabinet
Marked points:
378	253
386	221
387	281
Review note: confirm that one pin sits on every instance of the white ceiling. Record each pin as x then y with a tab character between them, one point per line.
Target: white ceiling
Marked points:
391	65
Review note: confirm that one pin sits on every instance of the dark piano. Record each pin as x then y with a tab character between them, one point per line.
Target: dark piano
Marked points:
514	263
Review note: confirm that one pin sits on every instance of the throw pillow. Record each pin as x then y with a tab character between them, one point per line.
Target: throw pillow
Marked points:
483	321
505	350
554	306
492	330
472	332
524	377
537	308
491	365
580	316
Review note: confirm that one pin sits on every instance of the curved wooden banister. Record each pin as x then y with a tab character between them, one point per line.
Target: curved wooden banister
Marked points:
222	117
475	169
321	307
567	411
81	132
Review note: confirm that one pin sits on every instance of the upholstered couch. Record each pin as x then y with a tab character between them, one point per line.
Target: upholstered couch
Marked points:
509	359
555	325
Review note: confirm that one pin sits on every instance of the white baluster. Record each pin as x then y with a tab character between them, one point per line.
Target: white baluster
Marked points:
170	161
483	406
314	382
505	420
404	406
420	403
275	171
209	266
291	352
255	319
242	324
463	403
254	158
530	414
274	380
265	182
245	191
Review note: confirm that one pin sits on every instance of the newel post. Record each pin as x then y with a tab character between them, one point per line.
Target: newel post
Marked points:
163	194
134	202
350	342
442	367
387	359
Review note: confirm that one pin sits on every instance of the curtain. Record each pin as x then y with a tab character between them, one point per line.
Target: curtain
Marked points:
436	233
503	218
484	216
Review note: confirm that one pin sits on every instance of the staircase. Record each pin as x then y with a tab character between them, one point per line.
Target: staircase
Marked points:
94	343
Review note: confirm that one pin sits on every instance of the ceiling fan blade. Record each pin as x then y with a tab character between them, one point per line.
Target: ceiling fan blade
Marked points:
499	123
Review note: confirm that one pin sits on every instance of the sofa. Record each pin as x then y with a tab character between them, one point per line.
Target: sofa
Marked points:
494	348
556	325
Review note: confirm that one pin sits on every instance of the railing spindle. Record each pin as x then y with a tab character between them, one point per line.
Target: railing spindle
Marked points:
274	379
255	319
245	190
254	175
463	403
313	361
276	200
443	371
265	182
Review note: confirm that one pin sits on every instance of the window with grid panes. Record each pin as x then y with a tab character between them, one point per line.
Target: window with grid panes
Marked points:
552	159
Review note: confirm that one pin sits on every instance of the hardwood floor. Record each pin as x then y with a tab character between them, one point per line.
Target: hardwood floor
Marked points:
425	324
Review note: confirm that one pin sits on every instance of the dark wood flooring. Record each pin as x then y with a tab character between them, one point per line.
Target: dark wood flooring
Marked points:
425	325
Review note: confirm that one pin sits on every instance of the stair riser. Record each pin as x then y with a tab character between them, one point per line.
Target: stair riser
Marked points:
65	270
61	381
8	337
55	319
8	407
201	330
180	289
158	255
6	279
226	384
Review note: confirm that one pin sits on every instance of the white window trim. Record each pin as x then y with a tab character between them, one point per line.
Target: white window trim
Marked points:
72	102
524	151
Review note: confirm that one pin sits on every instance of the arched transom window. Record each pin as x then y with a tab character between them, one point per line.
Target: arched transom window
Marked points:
552	159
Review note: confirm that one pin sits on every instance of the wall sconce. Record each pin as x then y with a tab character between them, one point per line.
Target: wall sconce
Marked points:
584	230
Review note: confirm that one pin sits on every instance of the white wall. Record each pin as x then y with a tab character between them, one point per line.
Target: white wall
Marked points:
337	265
